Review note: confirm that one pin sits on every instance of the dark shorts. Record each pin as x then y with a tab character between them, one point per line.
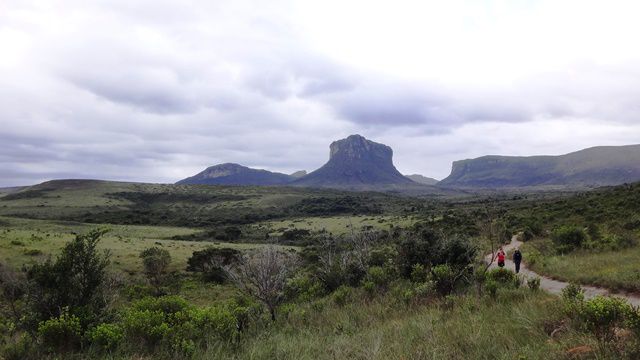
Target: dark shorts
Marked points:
501	263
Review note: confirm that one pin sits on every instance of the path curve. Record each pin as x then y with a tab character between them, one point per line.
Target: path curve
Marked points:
554	286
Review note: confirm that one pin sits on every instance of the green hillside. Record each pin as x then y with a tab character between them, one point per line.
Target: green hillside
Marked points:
598	166
94	201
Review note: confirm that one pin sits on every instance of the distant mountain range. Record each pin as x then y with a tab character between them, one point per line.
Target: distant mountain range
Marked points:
360	164
597	166
354	162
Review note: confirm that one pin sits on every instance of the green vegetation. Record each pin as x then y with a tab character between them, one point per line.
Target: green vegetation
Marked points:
220	272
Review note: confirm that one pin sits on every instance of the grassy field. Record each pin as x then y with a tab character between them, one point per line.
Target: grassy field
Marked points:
616	270
25	241
515	326
338	225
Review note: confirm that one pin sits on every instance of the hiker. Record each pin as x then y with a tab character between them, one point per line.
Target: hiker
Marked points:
517	258
501	256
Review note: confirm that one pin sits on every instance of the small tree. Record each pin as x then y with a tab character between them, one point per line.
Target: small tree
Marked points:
77	280
155	262
263	275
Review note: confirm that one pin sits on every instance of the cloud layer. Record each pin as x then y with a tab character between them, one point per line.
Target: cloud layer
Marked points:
157	90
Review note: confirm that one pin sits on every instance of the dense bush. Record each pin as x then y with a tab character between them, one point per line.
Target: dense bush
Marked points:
421	248
445	278
601	315
429	249
303	287
170	322
62	333
568	238
210	263
106	336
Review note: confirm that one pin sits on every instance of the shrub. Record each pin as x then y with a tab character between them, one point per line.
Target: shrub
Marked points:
169	322
155	262
342	295
210	263
146	326
573	298
165	304
370	288
534	283
62	333
418	248
378	276
430	249
568	238
419	273
632	321
573	292
106	336
425	290
219	321
492	287
303	287
502	276
601	315
444	278
382	255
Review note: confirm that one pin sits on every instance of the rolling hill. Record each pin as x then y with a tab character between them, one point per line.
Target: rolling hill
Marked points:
234	174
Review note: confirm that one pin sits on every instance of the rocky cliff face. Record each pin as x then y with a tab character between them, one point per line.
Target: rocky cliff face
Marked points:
356	161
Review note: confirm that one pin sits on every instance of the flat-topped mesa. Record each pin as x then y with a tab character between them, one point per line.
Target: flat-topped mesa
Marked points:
356	161
592	167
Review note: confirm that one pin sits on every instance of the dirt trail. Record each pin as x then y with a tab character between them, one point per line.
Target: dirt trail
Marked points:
555	286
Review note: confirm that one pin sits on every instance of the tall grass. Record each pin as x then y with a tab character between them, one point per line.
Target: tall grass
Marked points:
616	270
515	325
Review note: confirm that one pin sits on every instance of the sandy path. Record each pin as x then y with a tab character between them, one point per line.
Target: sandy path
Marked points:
555	286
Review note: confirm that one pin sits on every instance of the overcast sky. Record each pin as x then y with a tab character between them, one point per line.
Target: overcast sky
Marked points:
155	90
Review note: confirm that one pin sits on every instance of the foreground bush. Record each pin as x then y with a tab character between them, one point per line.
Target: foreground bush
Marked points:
171	325
61	334
601	315
76	281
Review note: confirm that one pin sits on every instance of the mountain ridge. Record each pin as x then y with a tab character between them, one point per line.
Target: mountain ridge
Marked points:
591	167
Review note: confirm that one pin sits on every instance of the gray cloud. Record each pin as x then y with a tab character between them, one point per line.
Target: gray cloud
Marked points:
155	91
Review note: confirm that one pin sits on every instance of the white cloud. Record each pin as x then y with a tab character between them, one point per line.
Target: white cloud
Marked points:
156	90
